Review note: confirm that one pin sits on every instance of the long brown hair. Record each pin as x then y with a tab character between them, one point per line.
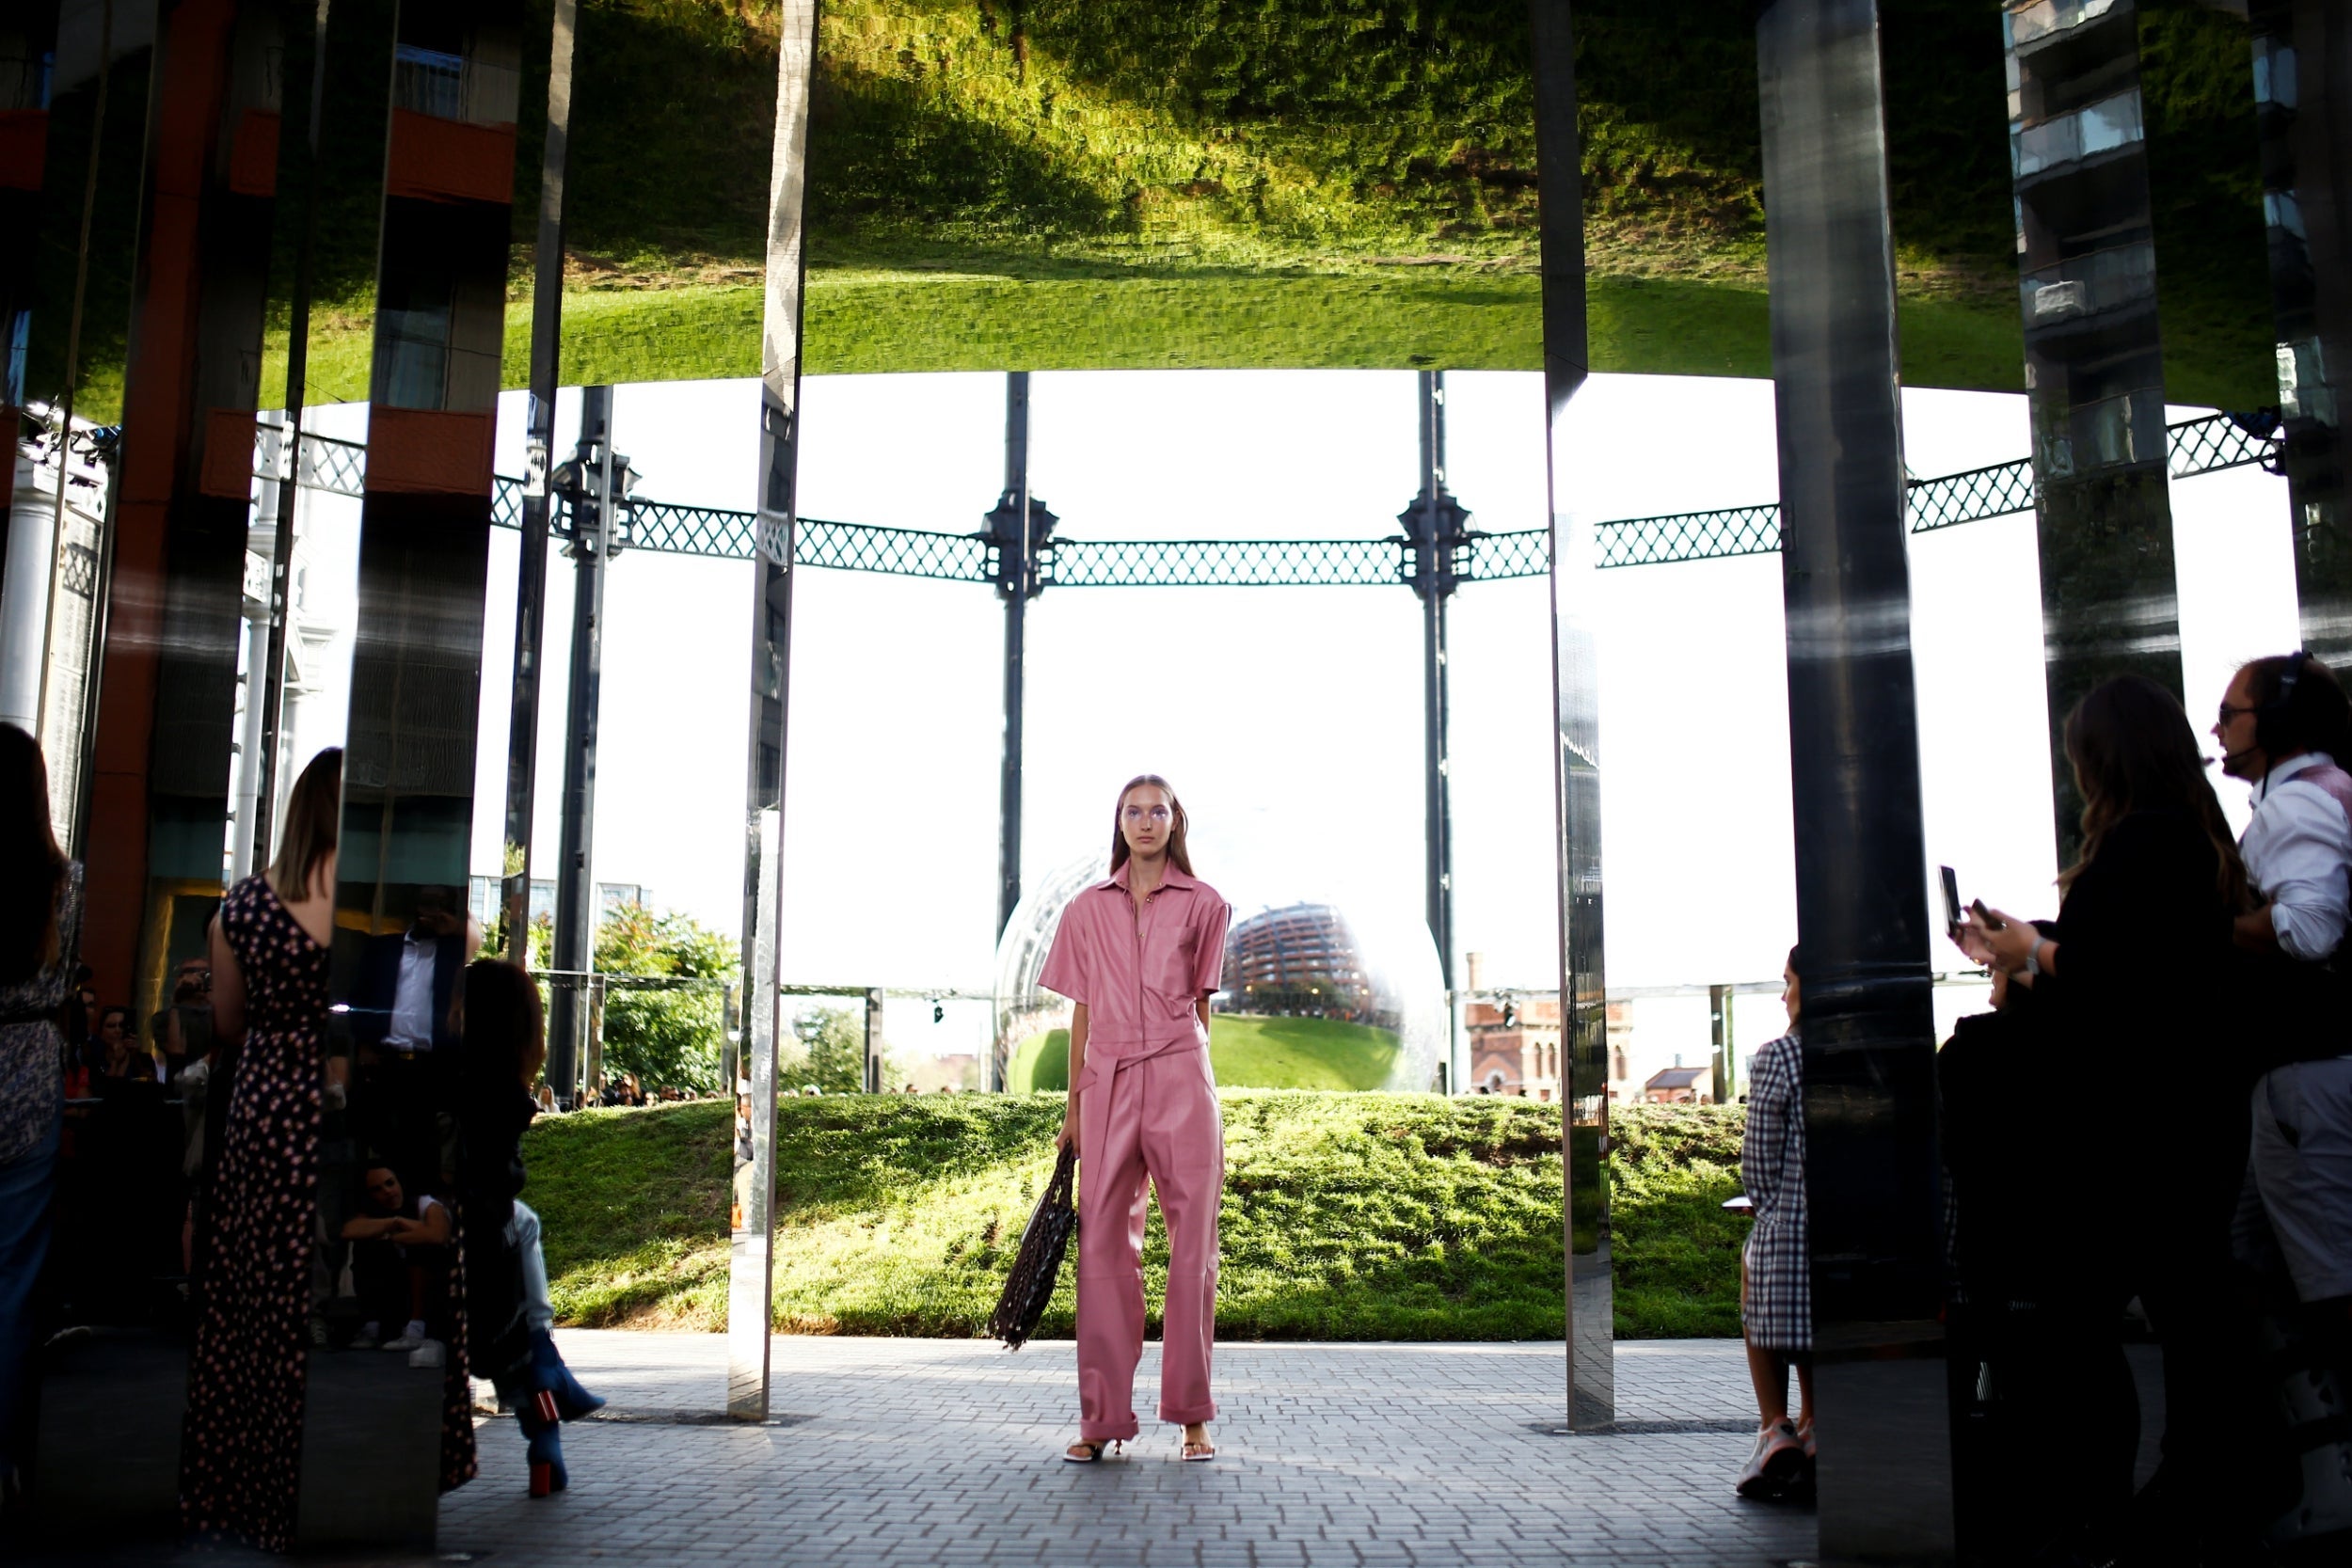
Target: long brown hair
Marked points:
314	812
2133	749
504	1025
28	925
1177	853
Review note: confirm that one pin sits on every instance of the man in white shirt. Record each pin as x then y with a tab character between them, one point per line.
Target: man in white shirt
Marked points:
2281	726
402	1017
2278	727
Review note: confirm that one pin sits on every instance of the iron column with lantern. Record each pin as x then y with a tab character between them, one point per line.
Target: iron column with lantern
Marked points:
595	486
1020	578
1435	529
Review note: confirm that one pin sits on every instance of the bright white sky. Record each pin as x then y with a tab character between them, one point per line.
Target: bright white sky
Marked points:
1290	719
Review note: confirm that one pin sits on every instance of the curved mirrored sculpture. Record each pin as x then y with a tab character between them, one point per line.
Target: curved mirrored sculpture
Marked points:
1341	986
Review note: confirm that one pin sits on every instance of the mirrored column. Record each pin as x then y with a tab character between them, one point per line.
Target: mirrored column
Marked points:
1583	1004
751	1265
194	385
403	934
2094	364
2303	97
28	43
1868	1071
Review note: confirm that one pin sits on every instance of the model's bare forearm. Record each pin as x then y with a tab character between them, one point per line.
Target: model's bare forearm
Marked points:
1077	1065
1078	1051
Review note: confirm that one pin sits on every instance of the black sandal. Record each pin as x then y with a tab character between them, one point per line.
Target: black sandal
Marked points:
1093	1451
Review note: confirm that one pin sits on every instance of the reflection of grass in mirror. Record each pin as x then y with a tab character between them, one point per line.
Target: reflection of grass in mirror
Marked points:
1346	1217
995	152
1246	1052
866	322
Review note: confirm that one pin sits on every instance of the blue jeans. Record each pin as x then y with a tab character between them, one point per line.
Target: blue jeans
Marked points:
522	1232
24	1192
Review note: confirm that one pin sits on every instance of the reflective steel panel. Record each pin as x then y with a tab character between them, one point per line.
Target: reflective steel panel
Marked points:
1590	1392
1869	1022
751	1265
2094	366
2303	95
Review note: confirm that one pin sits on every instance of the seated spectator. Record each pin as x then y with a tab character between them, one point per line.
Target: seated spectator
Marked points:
182	1033
744	1153
113	1053
1775	1270
78	1020
399	1261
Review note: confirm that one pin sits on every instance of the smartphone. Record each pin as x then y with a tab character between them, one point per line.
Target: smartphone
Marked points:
1951	901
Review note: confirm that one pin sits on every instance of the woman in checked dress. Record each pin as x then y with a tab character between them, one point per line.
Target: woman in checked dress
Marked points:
1775	1278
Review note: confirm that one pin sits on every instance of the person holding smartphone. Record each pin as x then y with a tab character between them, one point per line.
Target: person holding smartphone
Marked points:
2132	980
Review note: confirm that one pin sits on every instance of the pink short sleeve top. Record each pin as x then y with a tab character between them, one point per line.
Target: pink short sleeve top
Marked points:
1139	972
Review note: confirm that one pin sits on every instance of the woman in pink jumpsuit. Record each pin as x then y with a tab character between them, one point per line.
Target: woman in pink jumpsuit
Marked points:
1140	954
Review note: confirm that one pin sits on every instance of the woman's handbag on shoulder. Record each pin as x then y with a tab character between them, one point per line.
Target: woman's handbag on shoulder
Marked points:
1038	1265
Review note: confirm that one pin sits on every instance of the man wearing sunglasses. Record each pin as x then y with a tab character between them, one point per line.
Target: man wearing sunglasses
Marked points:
2283	724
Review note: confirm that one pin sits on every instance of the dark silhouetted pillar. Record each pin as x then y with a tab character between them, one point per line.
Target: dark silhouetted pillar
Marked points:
1590	1391
2303	93
424	520
28	33
592	533
2094	365
1434	531
1869	1022
1018	559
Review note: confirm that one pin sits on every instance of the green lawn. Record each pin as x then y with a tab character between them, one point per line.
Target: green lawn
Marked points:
1247	1052
864	324
1359	1216
1064	183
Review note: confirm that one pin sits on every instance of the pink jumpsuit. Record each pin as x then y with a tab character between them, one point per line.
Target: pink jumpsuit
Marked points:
1147	1106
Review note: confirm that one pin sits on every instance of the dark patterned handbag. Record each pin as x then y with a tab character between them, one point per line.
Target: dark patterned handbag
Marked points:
1038	1265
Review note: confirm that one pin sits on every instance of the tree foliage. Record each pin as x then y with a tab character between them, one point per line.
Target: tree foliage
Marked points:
667	1037
833	1053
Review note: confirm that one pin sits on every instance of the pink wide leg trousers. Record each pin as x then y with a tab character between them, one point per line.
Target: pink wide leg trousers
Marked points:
1154	1117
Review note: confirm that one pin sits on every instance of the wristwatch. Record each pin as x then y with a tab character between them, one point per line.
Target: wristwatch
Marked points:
2033	956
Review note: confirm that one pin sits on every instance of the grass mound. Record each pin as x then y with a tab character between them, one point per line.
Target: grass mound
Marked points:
1247	1052
1359	1216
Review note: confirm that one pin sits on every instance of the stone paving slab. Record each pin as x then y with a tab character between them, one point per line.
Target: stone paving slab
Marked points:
926	1452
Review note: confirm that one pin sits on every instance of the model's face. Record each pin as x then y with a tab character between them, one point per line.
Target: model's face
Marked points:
1789	994
2234	730
1146	817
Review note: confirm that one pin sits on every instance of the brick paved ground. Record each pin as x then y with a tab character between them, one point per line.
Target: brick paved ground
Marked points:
917	1451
